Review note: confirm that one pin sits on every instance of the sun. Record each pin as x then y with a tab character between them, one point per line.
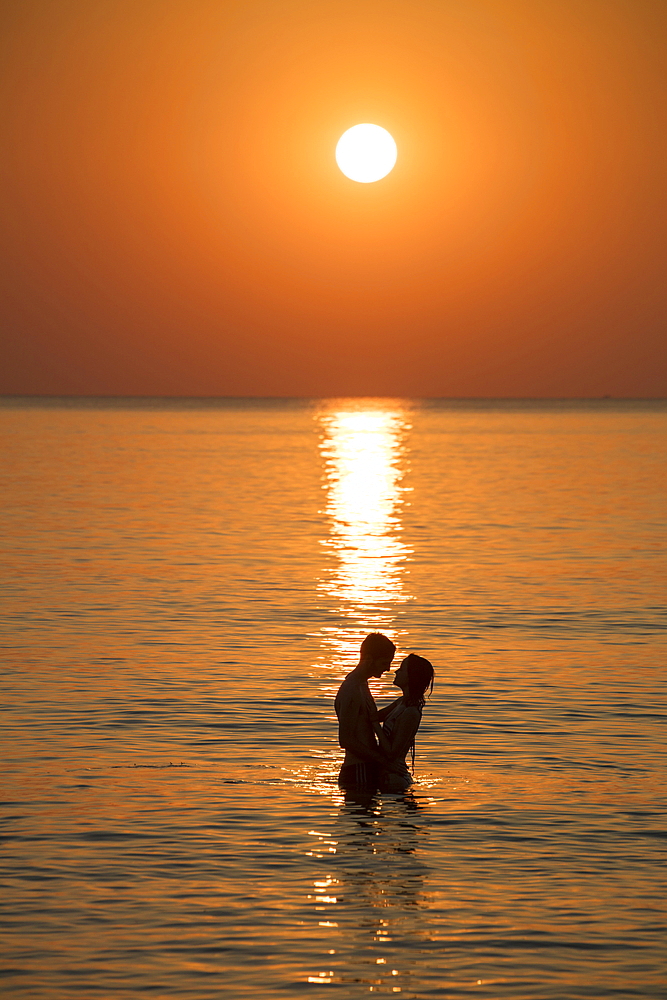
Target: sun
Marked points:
366	153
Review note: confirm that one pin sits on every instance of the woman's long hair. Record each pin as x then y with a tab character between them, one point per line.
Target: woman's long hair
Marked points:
420	677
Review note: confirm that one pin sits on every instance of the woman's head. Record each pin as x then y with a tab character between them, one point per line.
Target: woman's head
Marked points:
414	676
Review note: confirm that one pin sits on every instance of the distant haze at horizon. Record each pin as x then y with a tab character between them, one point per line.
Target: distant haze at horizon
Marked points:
175	224
35	399
46	398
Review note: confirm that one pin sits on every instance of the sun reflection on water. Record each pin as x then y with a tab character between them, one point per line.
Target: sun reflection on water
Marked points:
362	451
363	448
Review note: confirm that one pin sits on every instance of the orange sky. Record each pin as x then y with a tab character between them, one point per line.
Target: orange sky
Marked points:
175	222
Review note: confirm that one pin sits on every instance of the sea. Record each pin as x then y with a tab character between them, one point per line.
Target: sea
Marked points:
185	584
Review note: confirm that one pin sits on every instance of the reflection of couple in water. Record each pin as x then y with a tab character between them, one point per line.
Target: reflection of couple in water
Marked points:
376	743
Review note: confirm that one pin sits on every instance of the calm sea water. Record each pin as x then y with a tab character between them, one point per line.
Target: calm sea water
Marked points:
185	586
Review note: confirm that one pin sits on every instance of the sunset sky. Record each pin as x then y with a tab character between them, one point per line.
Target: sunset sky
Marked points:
175	222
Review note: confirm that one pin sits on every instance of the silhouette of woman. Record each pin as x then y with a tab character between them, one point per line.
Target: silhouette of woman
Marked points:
401	721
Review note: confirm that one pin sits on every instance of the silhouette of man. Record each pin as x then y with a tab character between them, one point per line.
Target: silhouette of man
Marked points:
357	712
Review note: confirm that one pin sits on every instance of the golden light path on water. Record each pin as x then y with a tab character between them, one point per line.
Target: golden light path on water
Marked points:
363	448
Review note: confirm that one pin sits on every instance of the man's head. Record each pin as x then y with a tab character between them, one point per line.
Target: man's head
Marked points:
377	652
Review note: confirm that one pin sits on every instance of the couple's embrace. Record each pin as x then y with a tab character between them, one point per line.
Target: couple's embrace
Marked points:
376	743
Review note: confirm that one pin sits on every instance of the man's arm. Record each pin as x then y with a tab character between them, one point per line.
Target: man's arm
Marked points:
351	712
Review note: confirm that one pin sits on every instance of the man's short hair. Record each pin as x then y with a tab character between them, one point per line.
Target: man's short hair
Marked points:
377	646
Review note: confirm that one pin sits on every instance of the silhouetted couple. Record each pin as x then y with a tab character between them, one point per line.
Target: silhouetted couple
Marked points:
376	743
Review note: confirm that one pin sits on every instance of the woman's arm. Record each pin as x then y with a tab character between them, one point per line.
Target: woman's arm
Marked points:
402	736
384	712
383	740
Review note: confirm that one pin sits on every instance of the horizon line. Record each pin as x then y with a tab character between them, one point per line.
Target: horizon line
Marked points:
290	396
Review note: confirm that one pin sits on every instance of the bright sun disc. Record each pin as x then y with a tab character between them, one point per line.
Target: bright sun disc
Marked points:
366	153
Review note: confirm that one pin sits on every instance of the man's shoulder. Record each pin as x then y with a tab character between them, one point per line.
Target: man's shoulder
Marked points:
351	689
353	682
